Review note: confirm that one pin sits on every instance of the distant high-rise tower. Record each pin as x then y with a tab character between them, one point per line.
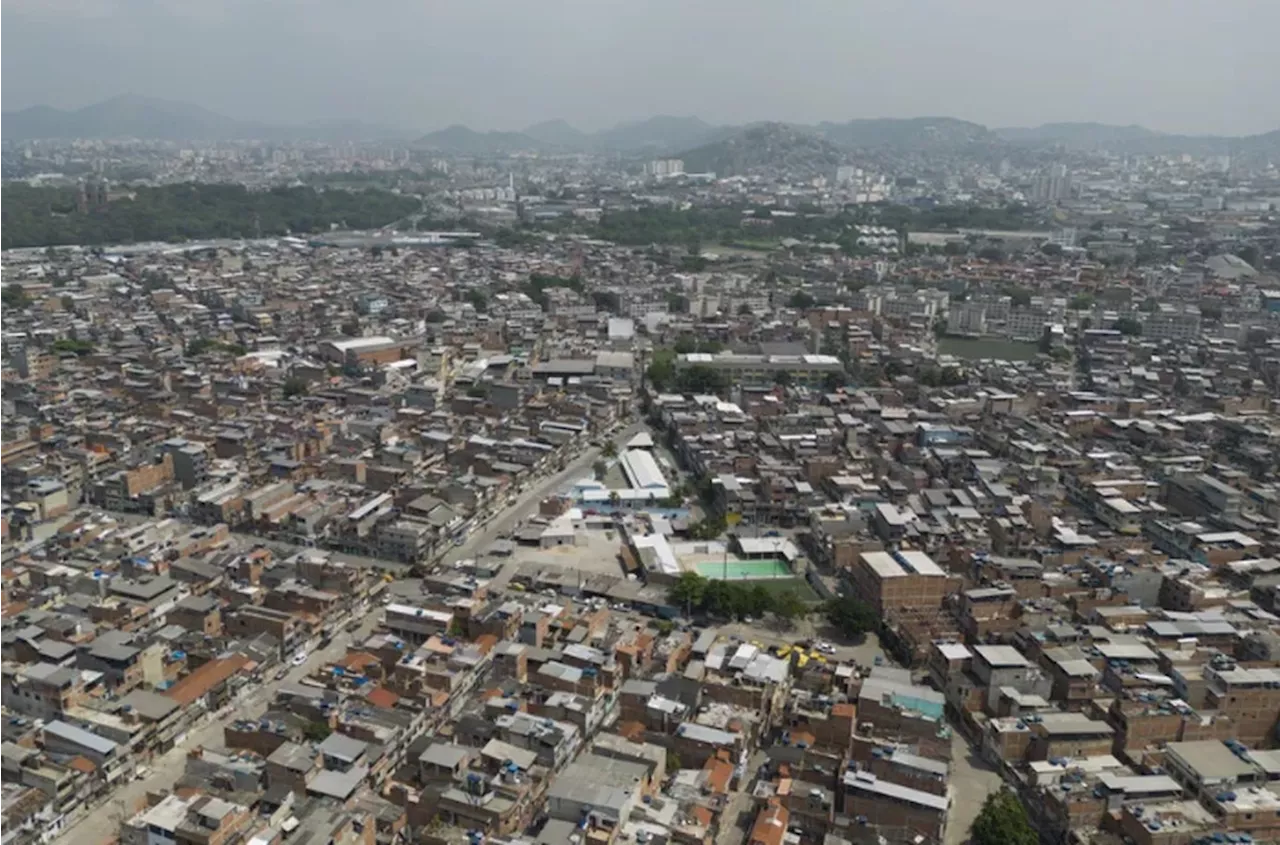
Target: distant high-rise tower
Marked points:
1053	185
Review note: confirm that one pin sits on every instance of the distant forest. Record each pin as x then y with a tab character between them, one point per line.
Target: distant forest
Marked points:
34	217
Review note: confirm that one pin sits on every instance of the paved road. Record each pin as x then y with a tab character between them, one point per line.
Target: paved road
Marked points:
972	779
863	653
481	538
102	823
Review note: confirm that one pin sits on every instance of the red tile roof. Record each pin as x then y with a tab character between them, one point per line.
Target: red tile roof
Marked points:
208	676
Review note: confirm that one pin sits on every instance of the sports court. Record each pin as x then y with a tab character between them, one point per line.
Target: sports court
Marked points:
742	570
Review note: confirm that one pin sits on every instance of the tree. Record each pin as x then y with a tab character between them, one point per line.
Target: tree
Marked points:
599	468
991	253
68	303
1051	249
316	731
478	300
1211	311
832	382
1081	302
45	216
1127	326
744	310
701	379
1150	306
15	296
614	499
689	591
662	369
788	606
607	300
1249	254
436	316
800	300
74	347
677	303
1003	821
610	449
295	386
1020	297
693	243
782	378
852	617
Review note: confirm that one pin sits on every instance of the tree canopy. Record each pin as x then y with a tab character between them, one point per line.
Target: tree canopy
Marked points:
49	216
1127	326
1003	821
733	599
852	617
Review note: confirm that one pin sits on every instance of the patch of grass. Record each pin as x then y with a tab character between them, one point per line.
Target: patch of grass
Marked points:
781	585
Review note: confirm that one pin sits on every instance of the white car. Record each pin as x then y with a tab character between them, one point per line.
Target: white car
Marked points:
825	648
299	658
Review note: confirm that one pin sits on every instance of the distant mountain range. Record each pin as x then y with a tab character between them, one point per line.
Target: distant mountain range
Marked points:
1139	140
130	116
766	146
657	134
725	149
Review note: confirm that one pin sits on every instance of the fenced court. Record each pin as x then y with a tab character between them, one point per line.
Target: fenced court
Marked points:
743	570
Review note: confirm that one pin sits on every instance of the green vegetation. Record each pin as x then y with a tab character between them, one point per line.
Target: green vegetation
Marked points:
1080	302
1019	297
357	179
76	347
725	225
664	376
788	606
800	300
295	386
709	527
607	300
851	617
15	296
662	370
735	599
48	216
201	345
931	376
316	731
478	300
701	379
1003	821
536	287
686	344
1127	326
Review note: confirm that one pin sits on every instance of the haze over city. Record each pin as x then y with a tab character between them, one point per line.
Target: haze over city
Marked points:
1181	66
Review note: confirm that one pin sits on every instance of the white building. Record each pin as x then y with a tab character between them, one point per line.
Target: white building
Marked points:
664	168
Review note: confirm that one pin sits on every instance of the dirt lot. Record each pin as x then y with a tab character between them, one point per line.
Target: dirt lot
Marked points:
596	553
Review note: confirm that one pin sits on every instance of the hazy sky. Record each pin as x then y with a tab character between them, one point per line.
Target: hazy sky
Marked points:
1207	66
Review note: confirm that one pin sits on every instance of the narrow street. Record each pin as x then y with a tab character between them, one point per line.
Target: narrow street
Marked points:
101	822
505	521
972	780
